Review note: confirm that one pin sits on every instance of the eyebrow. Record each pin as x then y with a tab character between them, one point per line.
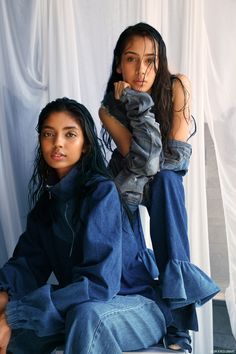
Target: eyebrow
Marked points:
148	54
65	128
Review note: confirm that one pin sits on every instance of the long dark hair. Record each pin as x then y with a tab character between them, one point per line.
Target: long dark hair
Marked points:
92	161
162	86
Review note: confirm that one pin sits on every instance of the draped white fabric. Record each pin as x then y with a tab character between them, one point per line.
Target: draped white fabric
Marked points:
52	48
220	112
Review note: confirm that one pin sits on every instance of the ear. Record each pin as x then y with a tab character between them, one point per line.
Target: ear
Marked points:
118	69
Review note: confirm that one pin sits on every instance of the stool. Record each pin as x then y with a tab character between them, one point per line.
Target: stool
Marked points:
152	350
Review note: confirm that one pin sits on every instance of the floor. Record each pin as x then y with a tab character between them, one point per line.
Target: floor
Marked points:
224	341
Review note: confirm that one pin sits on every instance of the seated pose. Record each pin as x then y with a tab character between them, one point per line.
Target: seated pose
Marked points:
146	113
107	299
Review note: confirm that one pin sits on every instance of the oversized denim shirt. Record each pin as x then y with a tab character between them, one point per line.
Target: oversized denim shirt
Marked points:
82	234
146	156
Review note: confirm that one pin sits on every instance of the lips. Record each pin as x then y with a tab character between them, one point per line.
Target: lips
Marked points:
58	156
140	82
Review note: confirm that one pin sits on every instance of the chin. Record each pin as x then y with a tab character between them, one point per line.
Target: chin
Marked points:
141	89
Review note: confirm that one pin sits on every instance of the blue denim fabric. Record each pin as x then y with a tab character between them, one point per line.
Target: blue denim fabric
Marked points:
134	111
183	285
146	156
124	323
143	157
94	258
181	338
135	187
182	282
25	341
177	156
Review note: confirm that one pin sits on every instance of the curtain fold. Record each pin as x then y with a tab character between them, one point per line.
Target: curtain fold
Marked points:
63	53
220	112
191	62
21	95
64	48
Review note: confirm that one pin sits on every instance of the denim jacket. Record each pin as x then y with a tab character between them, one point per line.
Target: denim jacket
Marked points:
179	157
82	234
134	111
146	156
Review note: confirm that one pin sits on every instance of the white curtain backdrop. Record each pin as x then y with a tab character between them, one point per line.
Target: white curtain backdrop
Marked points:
220	113
54	48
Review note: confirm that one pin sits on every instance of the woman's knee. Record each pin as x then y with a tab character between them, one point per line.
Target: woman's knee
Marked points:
167	178
83	313
86	330
117	324
168	175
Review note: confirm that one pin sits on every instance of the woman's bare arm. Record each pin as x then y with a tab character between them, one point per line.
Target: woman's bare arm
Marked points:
181	109
119	133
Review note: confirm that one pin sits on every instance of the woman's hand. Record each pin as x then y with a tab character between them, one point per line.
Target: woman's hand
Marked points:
5	334
119	88
5	330
3	301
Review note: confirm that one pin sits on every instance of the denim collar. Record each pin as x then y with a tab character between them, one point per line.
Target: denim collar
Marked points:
70	185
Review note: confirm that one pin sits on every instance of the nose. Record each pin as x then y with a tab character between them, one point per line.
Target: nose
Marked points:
142	68
58	141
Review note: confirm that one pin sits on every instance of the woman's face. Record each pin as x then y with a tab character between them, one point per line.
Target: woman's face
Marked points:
62	142
139	63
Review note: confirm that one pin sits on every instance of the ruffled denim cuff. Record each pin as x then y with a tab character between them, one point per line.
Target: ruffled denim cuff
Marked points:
183	283
146	256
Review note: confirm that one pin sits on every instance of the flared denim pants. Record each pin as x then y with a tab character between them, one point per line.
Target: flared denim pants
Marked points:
183	285
124	323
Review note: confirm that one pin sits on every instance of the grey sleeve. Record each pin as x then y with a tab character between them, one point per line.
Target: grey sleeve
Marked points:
178	156
144	155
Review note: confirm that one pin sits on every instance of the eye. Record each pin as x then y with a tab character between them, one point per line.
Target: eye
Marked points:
71	135
131	59
150	61
47	134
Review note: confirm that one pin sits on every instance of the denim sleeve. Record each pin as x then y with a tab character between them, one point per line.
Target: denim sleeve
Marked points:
146	146
96	279
115	107
29	267
37	312
143	159
176	157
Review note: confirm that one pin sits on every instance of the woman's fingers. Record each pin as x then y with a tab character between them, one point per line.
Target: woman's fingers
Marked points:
119	88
